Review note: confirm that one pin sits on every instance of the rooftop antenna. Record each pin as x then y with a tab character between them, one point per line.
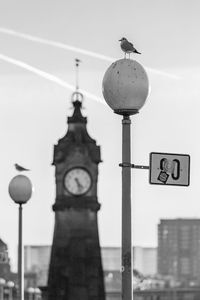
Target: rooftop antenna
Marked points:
77	96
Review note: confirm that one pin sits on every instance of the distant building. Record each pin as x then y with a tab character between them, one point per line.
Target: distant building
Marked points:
111	258
4	261
179	250
145	260
36	264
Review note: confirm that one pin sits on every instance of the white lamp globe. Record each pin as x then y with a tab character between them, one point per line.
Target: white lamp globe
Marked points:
30	290
10	284
125	86
38	291
20	189
2	281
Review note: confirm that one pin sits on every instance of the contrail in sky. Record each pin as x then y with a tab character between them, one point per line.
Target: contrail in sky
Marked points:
47	76
75	49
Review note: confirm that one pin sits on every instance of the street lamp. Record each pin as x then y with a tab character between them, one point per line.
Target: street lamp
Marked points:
10	285
20	190
34	293
2	284
38	294
31	292
125	89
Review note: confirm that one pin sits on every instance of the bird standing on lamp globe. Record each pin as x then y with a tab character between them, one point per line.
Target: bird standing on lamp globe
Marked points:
127	47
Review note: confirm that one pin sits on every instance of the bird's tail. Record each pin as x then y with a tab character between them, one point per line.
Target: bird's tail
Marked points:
137	52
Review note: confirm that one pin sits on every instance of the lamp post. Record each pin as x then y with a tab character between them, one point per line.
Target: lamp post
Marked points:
2	284
34	293
31	292
10	285
20	190
37	294
125	89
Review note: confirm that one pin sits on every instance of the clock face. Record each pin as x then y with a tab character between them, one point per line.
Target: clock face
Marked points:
77	181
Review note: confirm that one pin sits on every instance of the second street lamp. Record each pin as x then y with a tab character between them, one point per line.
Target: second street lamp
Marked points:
125	89
10	285
2	284
20	190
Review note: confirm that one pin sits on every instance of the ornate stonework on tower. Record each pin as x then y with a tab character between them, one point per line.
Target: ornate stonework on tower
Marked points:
75	271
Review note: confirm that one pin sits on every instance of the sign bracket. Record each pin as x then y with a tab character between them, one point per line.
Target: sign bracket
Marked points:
129	165
166	168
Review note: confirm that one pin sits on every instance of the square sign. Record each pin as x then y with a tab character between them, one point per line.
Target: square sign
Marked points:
169	169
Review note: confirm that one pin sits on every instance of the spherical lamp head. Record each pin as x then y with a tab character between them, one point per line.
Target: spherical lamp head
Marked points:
20	189
30	290
125	86
38	291
10	284
2	281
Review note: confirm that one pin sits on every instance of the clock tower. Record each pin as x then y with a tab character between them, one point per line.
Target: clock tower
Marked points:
75	270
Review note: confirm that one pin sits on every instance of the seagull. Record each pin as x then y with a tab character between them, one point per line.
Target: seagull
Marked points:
127	47
20	168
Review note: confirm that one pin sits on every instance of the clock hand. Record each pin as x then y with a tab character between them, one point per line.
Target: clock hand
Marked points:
80	187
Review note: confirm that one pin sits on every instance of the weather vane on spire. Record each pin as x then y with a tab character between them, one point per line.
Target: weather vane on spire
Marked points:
77	74
77	96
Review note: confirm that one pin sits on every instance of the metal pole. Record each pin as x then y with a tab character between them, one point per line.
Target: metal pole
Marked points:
30	296
126	211
10	294
1	292
20	271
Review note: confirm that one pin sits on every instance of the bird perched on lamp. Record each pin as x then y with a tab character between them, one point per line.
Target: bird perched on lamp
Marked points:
20	168
127	47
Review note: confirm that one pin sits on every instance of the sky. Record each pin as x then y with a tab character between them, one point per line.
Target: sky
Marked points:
37	77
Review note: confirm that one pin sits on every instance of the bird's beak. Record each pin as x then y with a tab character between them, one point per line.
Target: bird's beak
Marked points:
120	40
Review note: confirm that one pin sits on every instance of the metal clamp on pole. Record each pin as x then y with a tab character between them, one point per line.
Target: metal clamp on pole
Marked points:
125	165
129	165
